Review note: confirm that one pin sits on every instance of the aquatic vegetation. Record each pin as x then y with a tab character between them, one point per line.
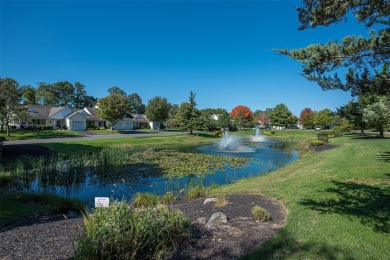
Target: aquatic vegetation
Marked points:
173	164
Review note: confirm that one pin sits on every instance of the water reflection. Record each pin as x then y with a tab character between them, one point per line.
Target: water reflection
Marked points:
86	177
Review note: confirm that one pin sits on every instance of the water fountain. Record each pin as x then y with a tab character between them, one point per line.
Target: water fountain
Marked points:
258	137
229	142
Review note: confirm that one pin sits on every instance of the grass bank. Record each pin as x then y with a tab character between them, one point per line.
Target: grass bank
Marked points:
39	134
338	202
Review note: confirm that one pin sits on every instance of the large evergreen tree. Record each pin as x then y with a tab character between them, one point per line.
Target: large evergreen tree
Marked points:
280	115
367	60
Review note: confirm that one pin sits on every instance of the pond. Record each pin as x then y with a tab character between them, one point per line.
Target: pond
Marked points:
263	157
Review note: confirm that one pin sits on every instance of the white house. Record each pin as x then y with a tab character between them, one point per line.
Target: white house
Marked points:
73	119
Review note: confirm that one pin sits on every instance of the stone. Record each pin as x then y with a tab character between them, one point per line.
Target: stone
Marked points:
216	220
209	200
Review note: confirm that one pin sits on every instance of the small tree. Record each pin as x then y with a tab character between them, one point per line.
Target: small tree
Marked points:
324	118
112	108
188	115
224	120
157	109
378	115
307	117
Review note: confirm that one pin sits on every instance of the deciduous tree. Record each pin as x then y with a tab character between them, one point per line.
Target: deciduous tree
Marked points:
378	115
241	116
307	117
9	101
157	109
28	95
324	118
112	108
135	104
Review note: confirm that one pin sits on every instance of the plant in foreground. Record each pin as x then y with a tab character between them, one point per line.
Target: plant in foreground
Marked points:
122	232
260	213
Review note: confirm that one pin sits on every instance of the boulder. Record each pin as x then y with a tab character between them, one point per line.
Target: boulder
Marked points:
217	219
209	200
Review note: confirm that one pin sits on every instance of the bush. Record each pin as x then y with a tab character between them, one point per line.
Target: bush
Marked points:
269	132
260	213
2	139
168	198
196	191
121	232
323	136
217	133
46	127
317	142
337	131
142	200
64	127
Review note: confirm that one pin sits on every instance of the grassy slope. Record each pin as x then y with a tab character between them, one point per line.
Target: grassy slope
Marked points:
338	202
39	134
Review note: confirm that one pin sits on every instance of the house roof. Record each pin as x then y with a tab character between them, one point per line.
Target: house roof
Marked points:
37	111
54	110
71	115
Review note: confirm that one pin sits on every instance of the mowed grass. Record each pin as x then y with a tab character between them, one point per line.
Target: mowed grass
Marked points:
338	202
39	134
154	140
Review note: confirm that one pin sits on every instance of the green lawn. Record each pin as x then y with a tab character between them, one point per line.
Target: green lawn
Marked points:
338	202
39	134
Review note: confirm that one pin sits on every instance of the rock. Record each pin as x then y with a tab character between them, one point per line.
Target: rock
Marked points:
209	200
201	220
216	220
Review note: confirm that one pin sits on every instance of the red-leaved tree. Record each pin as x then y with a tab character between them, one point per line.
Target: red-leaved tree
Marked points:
263	119
307	117
248	115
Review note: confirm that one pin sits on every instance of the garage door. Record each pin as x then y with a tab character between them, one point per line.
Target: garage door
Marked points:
77	125
128	126
118	126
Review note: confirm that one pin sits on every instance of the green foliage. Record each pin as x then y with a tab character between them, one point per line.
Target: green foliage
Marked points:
324	118
9	101
2	139
217	133
168	198
307	117
142	200
378	115
188	114
196	191
260	213
135	104
367	59
112	108
317	142
121	232
323	136
157	109
280	116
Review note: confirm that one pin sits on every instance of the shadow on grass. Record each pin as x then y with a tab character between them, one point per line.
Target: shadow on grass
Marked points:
285	246
370	204
383	157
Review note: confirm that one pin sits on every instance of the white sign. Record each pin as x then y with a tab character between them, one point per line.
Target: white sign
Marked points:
102	202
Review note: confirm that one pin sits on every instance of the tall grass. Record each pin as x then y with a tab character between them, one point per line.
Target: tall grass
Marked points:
124	232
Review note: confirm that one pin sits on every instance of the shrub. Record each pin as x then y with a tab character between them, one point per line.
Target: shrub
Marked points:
168	198
317	142
337	131
2	139
121	232
196	191
260	213
64	127
142	200
46	127
323	136
222	200
217	133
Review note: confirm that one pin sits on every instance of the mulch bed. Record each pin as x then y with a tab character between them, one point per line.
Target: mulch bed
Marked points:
323	147
52	237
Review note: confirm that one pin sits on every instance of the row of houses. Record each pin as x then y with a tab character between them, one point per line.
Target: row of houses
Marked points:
76	119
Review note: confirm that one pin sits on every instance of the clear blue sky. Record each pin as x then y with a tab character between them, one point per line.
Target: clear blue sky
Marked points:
222	50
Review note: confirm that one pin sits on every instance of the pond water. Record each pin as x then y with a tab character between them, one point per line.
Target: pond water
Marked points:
264	157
